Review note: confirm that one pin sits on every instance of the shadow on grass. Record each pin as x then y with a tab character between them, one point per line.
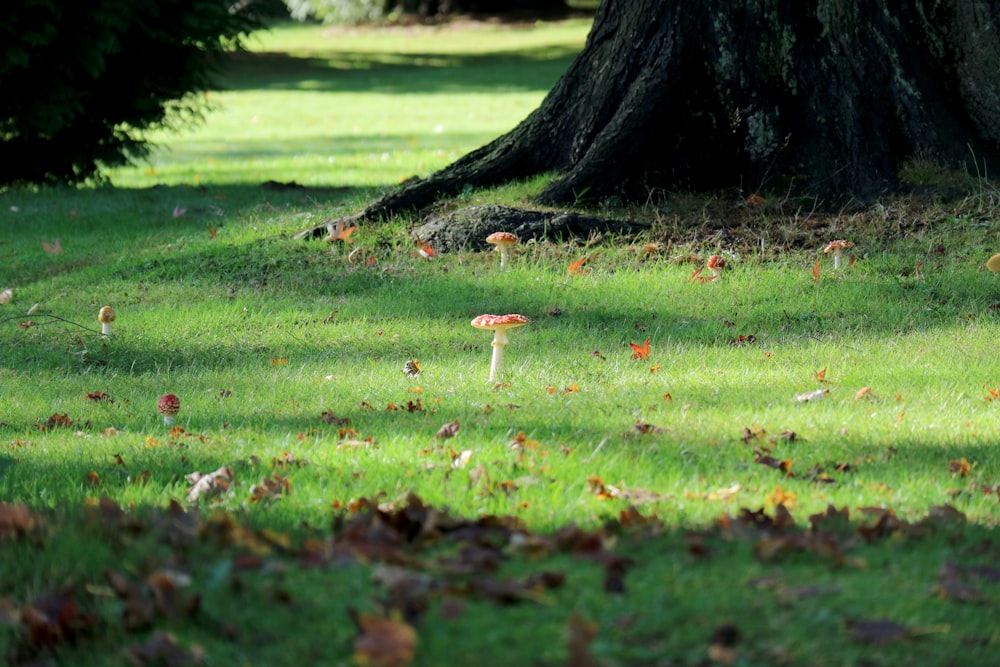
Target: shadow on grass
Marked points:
529	70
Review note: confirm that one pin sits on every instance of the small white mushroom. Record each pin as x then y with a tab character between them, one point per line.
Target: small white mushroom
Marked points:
499	324
106	316
837	248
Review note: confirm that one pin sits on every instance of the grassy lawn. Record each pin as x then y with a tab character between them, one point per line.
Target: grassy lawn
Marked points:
791	465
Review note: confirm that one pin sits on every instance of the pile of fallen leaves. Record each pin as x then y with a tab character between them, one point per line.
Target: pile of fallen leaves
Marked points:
419	554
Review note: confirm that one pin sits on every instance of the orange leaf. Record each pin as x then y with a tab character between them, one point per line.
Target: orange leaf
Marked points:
755	198
575	266
959	467
697	272
816	271
279	362
821	375
340	233
640	352
864	391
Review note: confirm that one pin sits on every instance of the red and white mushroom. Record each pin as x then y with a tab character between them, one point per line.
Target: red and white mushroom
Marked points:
499	325
837	248
715	264
504	241
168	405
106	316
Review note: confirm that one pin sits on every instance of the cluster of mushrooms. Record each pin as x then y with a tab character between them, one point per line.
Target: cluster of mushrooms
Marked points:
500	324
169	405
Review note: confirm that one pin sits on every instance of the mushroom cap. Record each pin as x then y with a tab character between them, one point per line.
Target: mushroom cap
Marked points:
495	322
839	244
716	262
502	239
168	405
993	263
106	315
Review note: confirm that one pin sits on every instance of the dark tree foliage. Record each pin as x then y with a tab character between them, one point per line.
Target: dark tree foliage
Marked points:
827	98
81	80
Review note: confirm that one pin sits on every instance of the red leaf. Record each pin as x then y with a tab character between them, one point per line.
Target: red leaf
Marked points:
816	271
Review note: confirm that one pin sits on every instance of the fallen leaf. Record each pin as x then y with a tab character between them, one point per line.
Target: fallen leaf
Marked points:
383	642
16	521
162	649
210	484
461	459
449	430
742	340
960	467
640	352
411	368
575	267
864	392
781	498
54	248
340	233
811	395
722	646
815	271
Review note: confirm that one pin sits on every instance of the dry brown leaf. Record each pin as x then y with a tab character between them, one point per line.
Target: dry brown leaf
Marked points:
383	642
15	521
449	430
210	484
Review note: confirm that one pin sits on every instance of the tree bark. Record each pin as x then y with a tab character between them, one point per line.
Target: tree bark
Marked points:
824	98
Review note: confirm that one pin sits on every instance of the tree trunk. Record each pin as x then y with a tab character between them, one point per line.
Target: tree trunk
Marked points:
825	98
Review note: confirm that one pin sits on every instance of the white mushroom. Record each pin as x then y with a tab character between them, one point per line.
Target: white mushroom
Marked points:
498	324
837	248
106	316
504	241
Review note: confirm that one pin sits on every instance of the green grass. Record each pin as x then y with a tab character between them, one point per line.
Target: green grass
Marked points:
270	342
368	107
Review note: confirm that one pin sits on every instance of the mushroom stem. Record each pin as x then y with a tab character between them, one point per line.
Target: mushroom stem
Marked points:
500	341
837	254
105	328
503	258
496	364
168	420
